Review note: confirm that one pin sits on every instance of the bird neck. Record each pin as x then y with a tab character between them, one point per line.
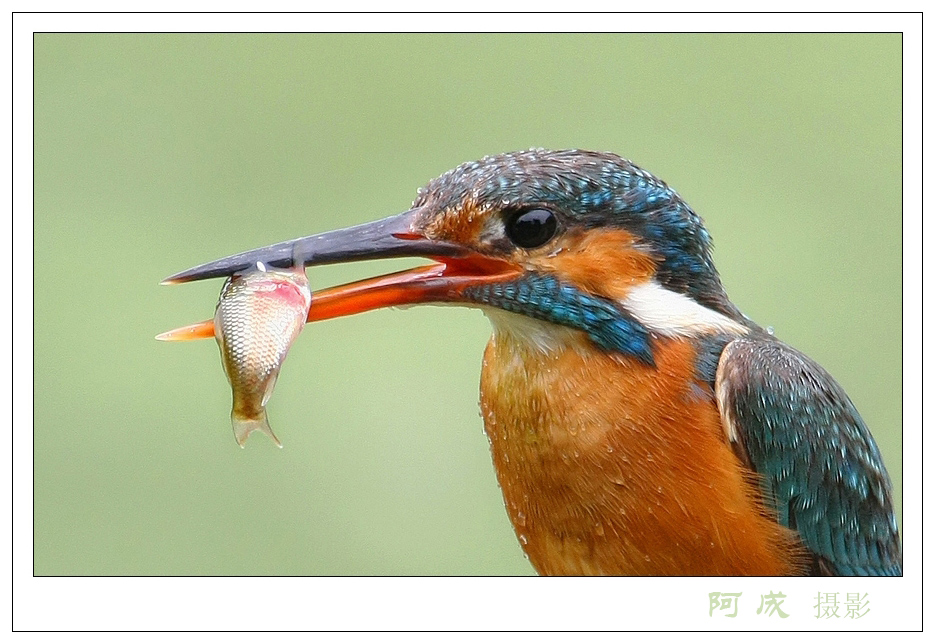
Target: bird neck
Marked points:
543	311
542	306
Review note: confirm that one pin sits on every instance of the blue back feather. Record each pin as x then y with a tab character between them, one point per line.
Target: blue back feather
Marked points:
819	467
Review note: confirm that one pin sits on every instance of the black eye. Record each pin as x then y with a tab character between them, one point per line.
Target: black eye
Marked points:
531	228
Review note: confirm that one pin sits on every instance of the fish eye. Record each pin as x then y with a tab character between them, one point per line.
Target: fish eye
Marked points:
531	228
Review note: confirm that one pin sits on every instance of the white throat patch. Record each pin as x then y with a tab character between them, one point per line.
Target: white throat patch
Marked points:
673	314
660	310
539	335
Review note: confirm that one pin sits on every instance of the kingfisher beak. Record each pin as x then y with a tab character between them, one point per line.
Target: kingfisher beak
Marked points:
455	268
395	236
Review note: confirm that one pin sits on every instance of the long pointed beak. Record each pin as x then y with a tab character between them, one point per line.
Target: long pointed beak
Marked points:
456	268
395	236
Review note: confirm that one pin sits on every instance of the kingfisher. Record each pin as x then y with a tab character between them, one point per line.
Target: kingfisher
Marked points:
639	423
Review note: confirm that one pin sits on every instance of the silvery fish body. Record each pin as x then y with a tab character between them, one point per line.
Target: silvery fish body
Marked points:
259	315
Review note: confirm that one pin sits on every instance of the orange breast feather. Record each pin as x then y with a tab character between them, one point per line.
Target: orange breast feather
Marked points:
608	466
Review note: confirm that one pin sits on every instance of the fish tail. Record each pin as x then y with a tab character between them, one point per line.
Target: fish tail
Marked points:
243	427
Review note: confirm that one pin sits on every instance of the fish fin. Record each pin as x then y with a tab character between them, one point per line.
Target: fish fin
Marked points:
199	331
243	427
269	389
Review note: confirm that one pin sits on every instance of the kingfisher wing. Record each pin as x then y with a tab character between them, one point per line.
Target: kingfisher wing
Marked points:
818	467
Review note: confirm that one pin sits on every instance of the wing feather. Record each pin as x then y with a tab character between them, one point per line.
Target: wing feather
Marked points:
819	468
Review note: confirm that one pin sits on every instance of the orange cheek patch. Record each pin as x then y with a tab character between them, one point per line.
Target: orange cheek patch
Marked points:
460	225
604	263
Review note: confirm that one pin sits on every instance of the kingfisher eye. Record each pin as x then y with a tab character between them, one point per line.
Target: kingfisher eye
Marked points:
531	228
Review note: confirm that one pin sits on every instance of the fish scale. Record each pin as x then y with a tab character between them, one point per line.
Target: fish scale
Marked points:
259	315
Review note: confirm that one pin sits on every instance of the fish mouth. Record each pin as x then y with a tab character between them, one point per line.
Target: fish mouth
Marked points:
454	269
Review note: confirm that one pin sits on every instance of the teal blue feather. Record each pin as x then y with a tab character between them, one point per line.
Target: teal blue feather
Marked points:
819	467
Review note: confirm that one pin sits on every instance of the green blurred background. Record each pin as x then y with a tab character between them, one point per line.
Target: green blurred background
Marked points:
157	152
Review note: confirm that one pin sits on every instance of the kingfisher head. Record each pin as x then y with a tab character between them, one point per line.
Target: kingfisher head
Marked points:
548	243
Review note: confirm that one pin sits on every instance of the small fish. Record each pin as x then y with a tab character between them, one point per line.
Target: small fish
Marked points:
259	315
